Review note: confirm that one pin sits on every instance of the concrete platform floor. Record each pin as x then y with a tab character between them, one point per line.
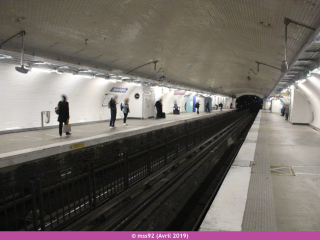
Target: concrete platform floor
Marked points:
284	199
32	139
296	198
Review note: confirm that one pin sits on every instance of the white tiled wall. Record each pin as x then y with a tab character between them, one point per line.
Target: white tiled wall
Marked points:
24	96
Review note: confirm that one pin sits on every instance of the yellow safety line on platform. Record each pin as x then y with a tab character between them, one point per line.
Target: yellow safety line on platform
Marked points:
279	171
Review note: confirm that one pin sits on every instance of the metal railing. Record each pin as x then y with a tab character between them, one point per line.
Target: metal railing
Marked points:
74	183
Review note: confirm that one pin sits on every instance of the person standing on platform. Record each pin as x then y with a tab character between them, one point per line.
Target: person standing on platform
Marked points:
63	109
158	106
113	111
197	105
207	107
230	105
282	111
286	111
125	109
217	106
220	105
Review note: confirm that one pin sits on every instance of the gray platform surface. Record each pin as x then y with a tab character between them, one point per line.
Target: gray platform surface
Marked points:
282	201
20	147
296	198
286	199
259	212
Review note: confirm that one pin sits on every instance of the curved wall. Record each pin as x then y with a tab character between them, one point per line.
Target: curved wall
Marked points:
24	96
300	109
311	90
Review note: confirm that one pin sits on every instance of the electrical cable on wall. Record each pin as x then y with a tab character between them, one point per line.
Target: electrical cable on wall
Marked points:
155	68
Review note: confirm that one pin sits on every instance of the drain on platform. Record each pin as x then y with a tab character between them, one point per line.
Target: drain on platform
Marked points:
282	170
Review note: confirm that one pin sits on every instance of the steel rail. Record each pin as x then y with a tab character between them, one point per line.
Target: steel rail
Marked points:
199	161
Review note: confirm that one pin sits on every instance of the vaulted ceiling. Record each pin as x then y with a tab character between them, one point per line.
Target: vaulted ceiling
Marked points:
207	44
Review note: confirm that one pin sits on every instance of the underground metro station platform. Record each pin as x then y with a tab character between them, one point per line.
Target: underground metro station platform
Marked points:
264	188
251	164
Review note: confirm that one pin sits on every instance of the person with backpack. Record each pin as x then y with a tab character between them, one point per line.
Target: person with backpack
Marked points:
113	110
125	109
63	111
197	105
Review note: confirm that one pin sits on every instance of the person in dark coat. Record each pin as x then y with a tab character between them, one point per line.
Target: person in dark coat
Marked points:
207	107
286	111
197	105
113	111
64	116
220	105
158	106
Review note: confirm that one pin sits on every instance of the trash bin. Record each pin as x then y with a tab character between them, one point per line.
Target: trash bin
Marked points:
45	117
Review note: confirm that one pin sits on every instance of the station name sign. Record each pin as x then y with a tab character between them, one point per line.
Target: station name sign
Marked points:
120	90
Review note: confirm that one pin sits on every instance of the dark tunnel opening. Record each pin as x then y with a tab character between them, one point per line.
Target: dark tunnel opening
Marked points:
254	103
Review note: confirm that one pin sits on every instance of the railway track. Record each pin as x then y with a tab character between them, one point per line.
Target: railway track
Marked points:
177	196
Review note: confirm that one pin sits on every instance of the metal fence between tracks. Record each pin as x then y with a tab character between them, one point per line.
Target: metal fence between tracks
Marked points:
72	184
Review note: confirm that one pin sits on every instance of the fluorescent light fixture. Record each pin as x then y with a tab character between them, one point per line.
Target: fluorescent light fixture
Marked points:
316	70
3	56
112	80
302	81
100	75
174	89
86	76
42	70
83	70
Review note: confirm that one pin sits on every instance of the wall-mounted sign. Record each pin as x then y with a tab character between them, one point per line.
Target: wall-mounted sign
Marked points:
136	96
186	95
119	90
106	99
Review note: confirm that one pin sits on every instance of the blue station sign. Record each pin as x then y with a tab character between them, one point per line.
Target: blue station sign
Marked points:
120	90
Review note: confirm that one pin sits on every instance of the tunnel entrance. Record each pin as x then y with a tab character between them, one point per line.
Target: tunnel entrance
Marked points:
254	103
